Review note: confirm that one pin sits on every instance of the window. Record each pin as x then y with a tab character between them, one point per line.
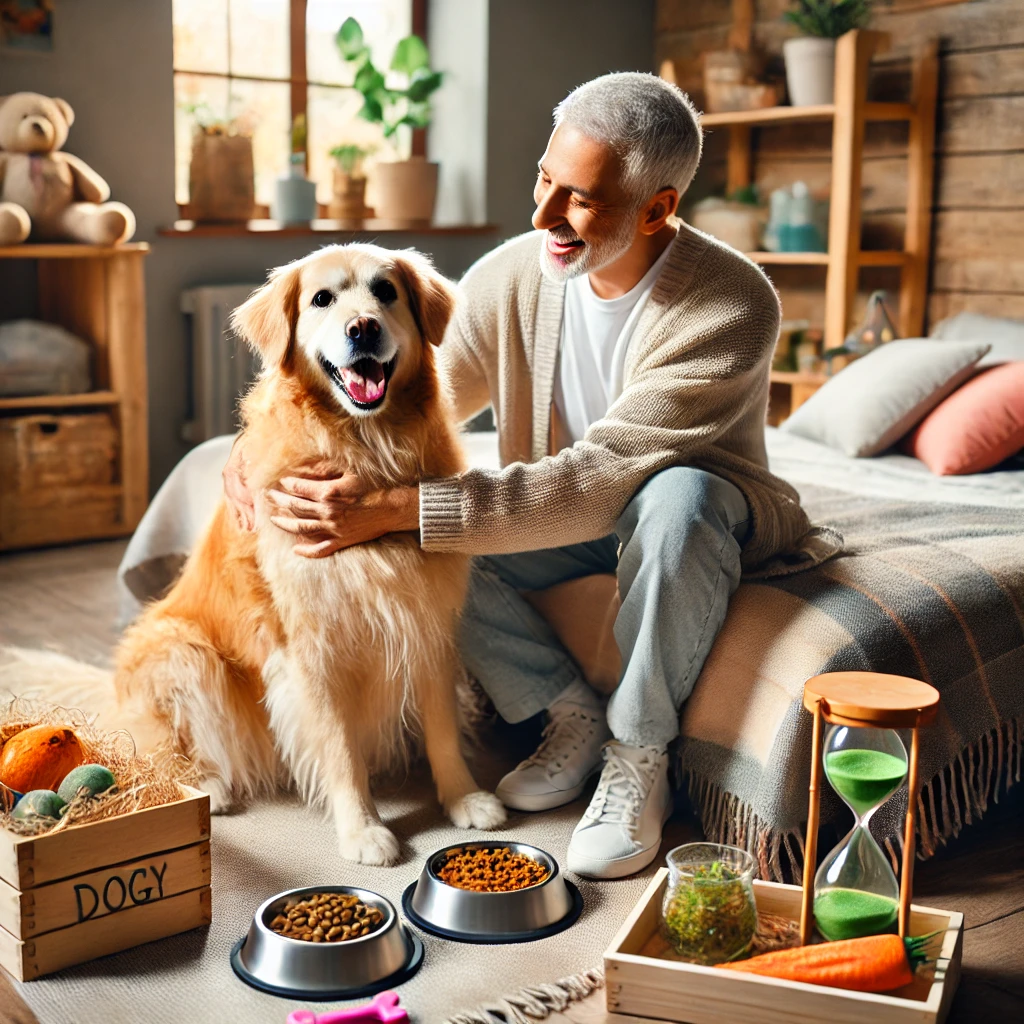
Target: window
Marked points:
256	64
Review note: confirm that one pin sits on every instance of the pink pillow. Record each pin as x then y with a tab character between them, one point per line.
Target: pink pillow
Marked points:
977	427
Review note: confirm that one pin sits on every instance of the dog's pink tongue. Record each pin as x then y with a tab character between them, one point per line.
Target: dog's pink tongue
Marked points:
364	389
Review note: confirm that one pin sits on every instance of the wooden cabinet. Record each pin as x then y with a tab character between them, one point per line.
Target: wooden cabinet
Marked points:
76	467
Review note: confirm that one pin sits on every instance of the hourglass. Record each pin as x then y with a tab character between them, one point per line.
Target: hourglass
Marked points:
855	892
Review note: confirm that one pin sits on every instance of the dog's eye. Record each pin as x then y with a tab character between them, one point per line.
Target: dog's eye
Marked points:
323	298
384	291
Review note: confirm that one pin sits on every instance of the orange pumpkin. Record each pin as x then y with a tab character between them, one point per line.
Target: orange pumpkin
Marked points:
39	757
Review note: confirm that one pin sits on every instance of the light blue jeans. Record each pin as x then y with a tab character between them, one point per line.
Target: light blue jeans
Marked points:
676	550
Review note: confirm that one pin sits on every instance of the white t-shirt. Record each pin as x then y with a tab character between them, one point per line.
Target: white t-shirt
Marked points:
592	354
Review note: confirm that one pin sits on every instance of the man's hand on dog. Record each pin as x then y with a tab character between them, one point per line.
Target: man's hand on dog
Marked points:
336	513
327	512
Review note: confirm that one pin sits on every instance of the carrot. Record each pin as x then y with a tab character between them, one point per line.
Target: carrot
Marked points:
876	963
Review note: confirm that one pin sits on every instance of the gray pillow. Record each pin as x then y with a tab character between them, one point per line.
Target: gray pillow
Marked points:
1005	336
870	405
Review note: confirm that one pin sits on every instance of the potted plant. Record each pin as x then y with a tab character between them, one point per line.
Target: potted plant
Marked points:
348	186
811	58
405	190
220	175
294	194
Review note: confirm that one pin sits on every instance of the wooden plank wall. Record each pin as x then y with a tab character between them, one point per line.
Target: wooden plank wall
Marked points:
978	225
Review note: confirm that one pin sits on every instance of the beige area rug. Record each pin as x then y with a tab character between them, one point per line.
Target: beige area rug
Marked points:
278	845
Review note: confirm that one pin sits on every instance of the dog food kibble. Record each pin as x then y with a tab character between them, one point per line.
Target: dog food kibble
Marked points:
491	870
327	917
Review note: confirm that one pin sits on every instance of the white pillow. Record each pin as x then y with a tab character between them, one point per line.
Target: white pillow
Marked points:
1006	337
870	405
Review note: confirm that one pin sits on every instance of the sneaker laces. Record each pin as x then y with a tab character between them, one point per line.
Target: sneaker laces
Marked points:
622	790
564	734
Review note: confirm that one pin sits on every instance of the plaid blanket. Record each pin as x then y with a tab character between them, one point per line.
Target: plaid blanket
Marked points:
930	585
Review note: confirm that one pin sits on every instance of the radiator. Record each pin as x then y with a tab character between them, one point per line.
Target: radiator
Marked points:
222	366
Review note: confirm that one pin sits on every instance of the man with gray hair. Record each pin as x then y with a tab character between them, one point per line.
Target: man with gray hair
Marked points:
626	357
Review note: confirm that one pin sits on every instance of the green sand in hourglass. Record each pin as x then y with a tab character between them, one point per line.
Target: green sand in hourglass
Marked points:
864	778
852	913
856	893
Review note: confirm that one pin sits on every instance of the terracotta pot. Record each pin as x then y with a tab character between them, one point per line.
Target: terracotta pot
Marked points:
810	70
405	190
348	197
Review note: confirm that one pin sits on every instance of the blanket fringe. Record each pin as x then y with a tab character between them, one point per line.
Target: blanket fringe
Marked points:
955	796
536	1002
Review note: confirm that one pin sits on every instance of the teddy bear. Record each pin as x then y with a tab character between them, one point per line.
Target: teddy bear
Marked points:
46	194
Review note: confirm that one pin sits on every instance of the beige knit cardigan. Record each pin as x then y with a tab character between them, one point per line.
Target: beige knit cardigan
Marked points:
695	393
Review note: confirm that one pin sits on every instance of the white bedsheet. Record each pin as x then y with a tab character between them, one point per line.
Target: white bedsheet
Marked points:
888	476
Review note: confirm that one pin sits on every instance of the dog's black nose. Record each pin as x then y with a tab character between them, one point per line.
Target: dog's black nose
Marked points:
363	330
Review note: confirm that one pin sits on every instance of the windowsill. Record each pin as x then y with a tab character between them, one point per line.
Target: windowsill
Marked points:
375	226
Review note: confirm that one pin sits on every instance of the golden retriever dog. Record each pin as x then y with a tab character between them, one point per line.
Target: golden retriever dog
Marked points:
260	661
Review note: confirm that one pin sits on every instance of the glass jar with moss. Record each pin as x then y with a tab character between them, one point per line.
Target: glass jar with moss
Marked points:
708	913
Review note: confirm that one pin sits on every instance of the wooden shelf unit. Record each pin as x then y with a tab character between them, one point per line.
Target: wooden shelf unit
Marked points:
849	114
98	294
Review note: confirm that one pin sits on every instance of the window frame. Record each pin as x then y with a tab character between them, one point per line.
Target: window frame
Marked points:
297	79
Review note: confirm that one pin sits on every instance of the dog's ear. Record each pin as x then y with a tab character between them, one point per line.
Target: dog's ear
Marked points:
431	296
266	320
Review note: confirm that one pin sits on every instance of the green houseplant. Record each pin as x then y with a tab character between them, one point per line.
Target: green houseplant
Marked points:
811	57
405	189
348	186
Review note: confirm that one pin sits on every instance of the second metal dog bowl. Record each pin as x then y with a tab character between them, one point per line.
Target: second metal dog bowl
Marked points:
326	970
465	915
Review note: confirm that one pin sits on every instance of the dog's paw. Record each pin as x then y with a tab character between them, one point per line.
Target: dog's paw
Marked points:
477	810
374	844
219	794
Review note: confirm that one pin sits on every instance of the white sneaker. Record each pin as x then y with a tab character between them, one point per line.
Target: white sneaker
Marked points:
568	755
621	831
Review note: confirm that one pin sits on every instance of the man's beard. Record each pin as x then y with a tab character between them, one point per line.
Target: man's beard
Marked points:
588	257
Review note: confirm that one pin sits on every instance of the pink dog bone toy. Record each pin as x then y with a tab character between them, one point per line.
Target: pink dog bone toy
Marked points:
383	1010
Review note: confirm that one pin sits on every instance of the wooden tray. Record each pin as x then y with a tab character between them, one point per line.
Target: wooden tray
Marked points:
74	895
641	980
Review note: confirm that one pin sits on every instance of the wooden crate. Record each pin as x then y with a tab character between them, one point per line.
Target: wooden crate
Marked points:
45	451
59	476
94	889
640	979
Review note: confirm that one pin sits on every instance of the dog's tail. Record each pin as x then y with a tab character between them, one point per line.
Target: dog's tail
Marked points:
52	678
57	679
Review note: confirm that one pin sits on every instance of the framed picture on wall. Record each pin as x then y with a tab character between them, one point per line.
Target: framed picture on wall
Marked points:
26	26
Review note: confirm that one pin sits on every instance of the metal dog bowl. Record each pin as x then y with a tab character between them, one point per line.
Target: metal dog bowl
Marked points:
465	915
326	970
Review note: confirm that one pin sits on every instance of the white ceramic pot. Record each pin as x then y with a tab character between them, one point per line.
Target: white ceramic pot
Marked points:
405	190
810	70
294	200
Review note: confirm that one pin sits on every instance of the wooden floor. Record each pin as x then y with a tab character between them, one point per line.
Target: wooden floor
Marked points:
66	599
